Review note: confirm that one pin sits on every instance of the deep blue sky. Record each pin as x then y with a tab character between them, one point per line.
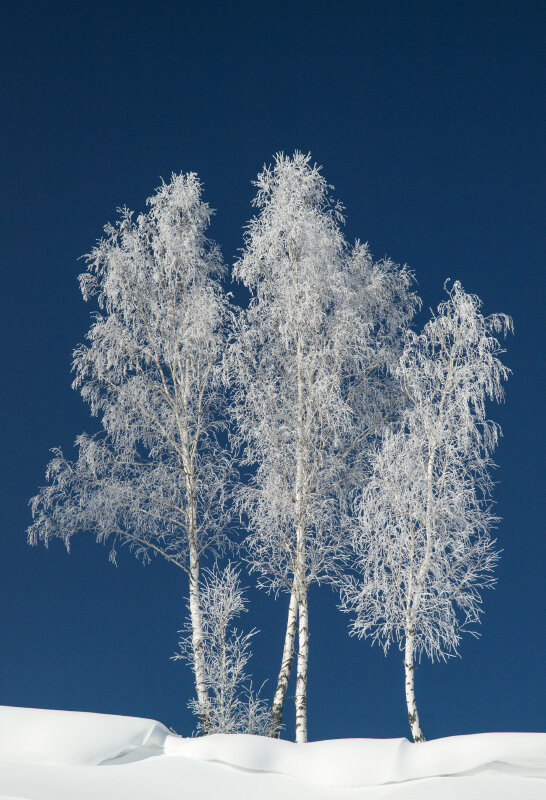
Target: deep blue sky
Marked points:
429	120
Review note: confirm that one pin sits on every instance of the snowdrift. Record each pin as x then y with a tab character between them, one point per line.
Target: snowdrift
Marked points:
353	763
37	735
62	755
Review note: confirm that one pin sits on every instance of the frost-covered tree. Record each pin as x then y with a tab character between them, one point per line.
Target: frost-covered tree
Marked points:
234	706
421	541
308	365
154	478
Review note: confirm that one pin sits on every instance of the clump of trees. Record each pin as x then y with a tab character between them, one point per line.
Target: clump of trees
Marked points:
305	362
353	451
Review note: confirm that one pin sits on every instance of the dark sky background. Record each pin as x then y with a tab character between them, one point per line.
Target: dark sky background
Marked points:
428	118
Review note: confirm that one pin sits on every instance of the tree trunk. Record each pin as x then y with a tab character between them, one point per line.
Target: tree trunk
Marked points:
303	658
413	716
286	668
198	645
299	586
197	636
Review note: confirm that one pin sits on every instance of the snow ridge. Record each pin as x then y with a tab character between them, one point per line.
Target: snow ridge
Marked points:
351	763
37	735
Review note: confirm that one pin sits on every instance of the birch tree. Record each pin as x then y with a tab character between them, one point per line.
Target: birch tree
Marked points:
308	362
154	478
422	545
234	706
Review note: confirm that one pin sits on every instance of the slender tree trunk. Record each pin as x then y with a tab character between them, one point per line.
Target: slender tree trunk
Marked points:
303	659
413	716
416	594
300	588
195	614
286	668
197	640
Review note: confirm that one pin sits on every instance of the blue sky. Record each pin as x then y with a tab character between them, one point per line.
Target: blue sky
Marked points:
429	120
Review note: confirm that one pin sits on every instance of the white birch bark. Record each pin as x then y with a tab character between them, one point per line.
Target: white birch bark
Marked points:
286	668
299	577
198	643
303	659
413	716
195	604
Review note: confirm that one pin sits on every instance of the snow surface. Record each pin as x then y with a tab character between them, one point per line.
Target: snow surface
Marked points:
63	755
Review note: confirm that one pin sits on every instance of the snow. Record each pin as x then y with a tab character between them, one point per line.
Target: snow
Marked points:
62	755
36	735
